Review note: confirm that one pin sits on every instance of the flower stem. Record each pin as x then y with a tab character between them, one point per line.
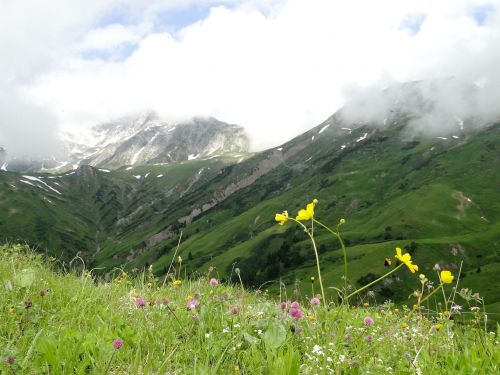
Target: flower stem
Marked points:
375	281
431	293
317	259
109	363
337	234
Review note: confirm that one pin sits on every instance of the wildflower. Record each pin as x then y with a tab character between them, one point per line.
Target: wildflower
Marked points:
234	310
296	313
135	295
317	350
446	313
283	305
438	326
366	304
342	221
315	301
436	267
369	338
308	213
396	310
422	278
406	259
140	303
117	343
177	282
312	279
192	304
295	305
150	285
10	360
42	293
446	277
214	281
311	318
387	262
456	309
404	325
165	301
281	218
28	304
368	321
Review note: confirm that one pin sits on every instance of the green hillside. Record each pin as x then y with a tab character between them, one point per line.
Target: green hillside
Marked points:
437	197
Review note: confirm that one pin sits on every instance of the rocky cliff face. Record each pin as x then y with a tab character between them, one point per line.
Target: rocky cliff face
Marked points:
148	140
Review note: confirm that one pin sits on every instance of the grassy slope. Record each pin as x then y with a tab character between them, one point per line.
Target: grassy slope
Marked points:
71	329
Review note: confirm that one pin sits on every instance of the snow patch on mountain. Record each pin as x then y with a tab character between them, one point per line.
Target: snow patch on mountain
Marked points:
32	178
323	128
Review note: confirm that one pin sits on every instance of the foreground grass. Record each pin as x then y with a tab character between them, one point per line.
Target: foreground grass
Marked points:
65	323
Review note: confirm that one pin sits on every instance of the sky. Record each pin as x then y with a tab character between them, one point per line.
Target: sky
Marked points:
276	67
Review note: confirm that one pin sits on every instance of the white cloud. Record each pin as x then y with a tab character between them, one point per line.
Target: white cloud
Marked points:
276	68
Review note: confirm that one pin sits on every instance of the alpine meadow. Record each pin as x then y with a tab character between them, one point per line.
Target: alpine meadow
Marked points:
249	187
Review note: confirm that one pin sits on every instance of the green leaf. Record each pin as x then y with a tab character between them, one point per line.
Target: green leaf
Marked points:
251	339
25	278
275	336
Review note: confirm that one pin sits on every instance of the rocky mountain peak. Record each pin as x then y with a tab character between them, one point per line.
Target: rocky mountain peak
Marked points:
146	139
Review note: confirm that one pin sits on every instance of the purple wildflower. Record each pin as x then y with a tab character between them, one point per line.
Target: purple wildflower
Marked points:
139	302
368	321
296	313
315	301
214	282
118	343
192	304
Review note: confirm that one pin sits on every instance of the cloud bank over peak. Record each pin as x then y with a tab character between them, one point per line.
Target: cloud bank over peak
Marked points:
276	67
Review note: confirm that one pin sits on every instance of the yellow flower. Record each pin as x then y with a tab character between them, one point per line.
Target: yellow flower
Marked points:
308	213
404	325
177	282
366	304
135	295
446	277
396	310
312	279
406	259
438	326
312	318
150	285
281	218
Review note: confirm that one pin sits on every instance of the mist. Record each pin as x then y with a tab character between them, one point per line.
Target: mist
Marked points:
276	68
434	107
